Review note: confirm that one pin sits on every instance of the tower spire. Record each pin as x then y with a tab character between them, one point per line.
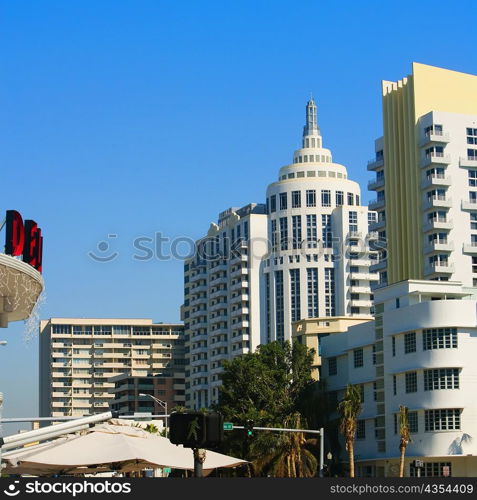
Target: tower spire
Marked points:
311	124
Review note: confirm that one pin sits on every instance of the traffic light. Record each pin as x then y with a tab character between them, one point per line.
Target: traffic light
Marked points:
196	429
249	428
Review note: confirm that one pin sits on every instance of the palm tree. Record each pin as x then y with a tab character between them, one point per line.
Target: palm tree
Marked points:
284	454
405	436
349	409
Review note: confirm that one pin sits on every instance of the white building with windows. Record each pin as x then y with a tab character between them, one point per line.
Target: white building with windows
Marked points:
221	310
320	257
418	352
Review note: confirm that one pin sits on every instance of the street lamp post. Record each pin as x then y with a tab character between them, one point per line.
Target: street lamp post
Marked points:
161	403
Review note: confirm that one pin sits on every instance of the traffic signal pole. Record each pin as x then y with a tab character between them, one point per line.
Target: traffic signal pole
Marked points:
199	459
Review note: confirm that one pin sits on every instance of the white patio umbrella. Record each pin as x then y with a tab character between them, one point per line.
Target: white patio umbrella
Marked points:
114	446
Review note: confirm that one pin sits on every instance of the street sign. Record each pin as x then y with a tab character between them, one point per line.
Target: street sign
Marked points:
446	471
228	426
147	415
166	470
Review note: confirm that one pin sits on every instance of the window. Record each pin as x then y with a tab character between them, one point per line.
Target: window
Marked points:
329	292
361	429
432	469
296	228
435	151
295	294
375	391
393	342
283	201
283	233
442	420
311	231
312	288
441	378
279	318
273	203
374	354
439	338
339	198
394	385
310	198
473	220
274	235
326	234
472	178
325	198
332	366
350	199
296	199
409	342
411	382
353	221
358	358
63	329
413	422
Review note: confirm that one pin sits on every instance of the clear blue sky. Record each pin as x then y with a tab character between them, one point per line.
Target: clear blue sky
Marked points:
131	117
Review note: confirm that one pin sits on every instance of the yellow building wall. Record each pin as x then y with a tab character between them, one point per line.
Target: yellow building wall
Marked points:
428	89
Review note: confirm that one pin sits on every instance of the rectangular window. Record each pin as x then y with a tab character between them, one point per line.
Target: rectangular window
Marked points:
413	422
284	233
361	429
350	199
283	201
339	198
274	235
310	198
394	384
442	420
393	341
374	354
326	234
273	203
279	309
325	198
296	199
330	292
472	177
295	294
311	231
409	342
332	366
441	378
353	221
439	338
312	284
358	358
432	469
411	382
296	228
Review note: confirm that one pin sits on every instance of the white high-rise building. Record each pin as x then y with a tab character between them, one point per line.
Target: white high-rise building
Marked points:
221	310
320	257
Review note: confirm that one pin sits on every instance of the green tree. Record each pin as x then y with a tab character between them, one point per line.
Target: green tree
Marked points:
405	436
284	454
349	409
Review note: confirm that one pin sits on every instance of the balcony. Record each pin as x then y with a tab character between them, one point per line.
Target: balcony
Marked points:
360	289
437	224
374	184
431	137
435	159
379	266
436	202
375	164
438	247
379	224
218	306
364	276
238	286
241	271
376	204
438	268
221	280
242	297
361	303
468	162
470	248
218	319
435	181
239	311
218	293
469	205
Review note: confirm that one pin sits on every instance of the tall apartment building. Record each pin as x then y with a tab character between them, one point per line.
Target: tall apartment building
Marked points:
320	257
79	356
418	352
426	177
221	309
